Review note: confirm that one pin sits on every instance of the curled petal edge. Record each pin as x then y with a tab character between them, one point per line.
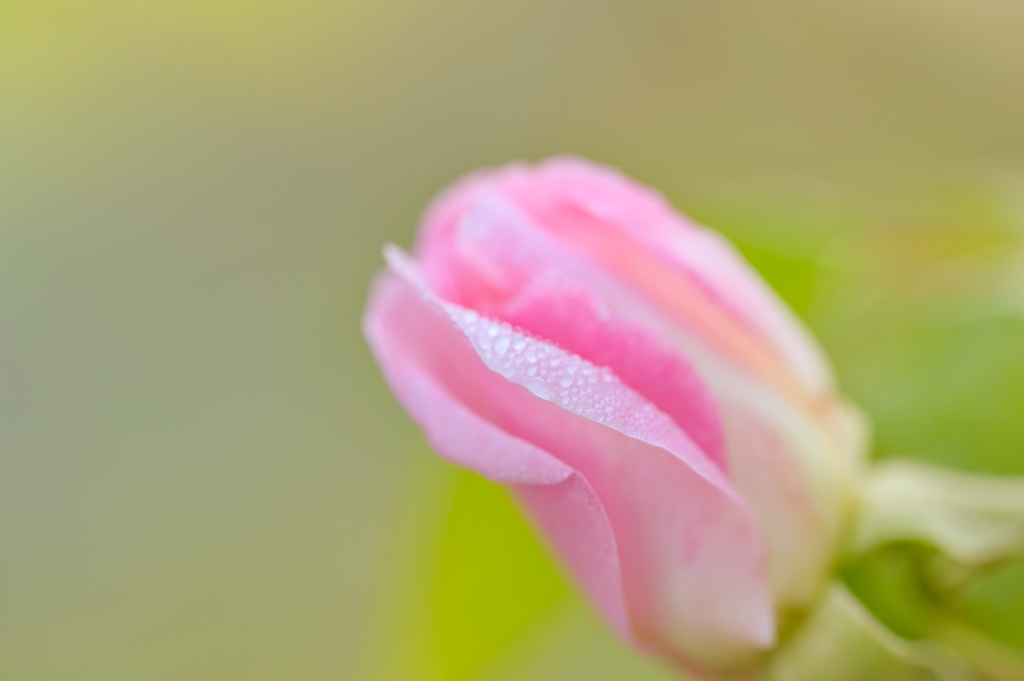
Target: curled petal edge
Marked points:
559	498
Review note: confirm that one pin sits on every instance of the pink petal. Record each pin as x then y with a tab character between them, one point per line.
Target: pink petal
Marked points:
534	282
629	229
603	195
574	317
559	497
784	464
689	550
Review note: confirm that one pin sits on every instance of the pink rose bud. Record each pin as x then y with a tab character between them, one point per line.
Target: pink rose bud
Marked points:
669	424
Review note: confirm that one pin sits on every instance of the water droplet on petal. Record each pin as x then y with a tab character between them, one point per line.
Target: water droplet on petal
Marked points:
501	344
540	388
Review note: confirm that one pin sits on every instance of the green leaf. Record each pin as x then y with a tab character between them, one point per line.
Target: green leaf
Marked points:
493	581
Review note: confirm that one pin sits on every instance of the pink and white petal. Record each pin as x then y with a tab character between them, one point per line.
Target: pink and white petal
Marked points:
693	571
702	254
492	234
714	262
509	254
793	473
560	499
798	489
576	525
632	227
575	318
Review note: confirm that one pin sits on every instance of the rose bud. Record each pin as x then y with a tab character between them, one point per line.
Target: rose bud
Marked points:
668	423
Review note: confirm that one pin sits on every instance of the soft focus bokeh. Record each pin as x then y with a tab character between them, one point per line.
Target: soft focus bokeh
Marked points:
202	475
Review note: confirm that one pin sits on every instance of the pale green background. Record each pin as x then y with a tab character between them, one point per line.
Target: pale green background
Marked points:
202	475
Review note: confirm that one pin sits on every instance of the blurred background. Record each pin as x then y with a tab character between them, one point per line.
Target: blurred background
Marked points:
202	474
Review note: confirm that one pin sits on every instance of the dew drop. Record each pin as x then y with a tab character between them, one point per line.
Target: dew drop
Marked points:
501	344
540	388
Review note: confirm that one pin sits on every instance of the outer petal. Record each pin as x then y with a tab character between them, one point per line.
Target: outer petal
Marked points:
692	572
561	500
789	470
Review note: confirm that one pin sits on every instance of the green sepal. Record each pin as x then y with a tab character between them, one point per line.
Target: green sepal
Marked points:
970	521
842	641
